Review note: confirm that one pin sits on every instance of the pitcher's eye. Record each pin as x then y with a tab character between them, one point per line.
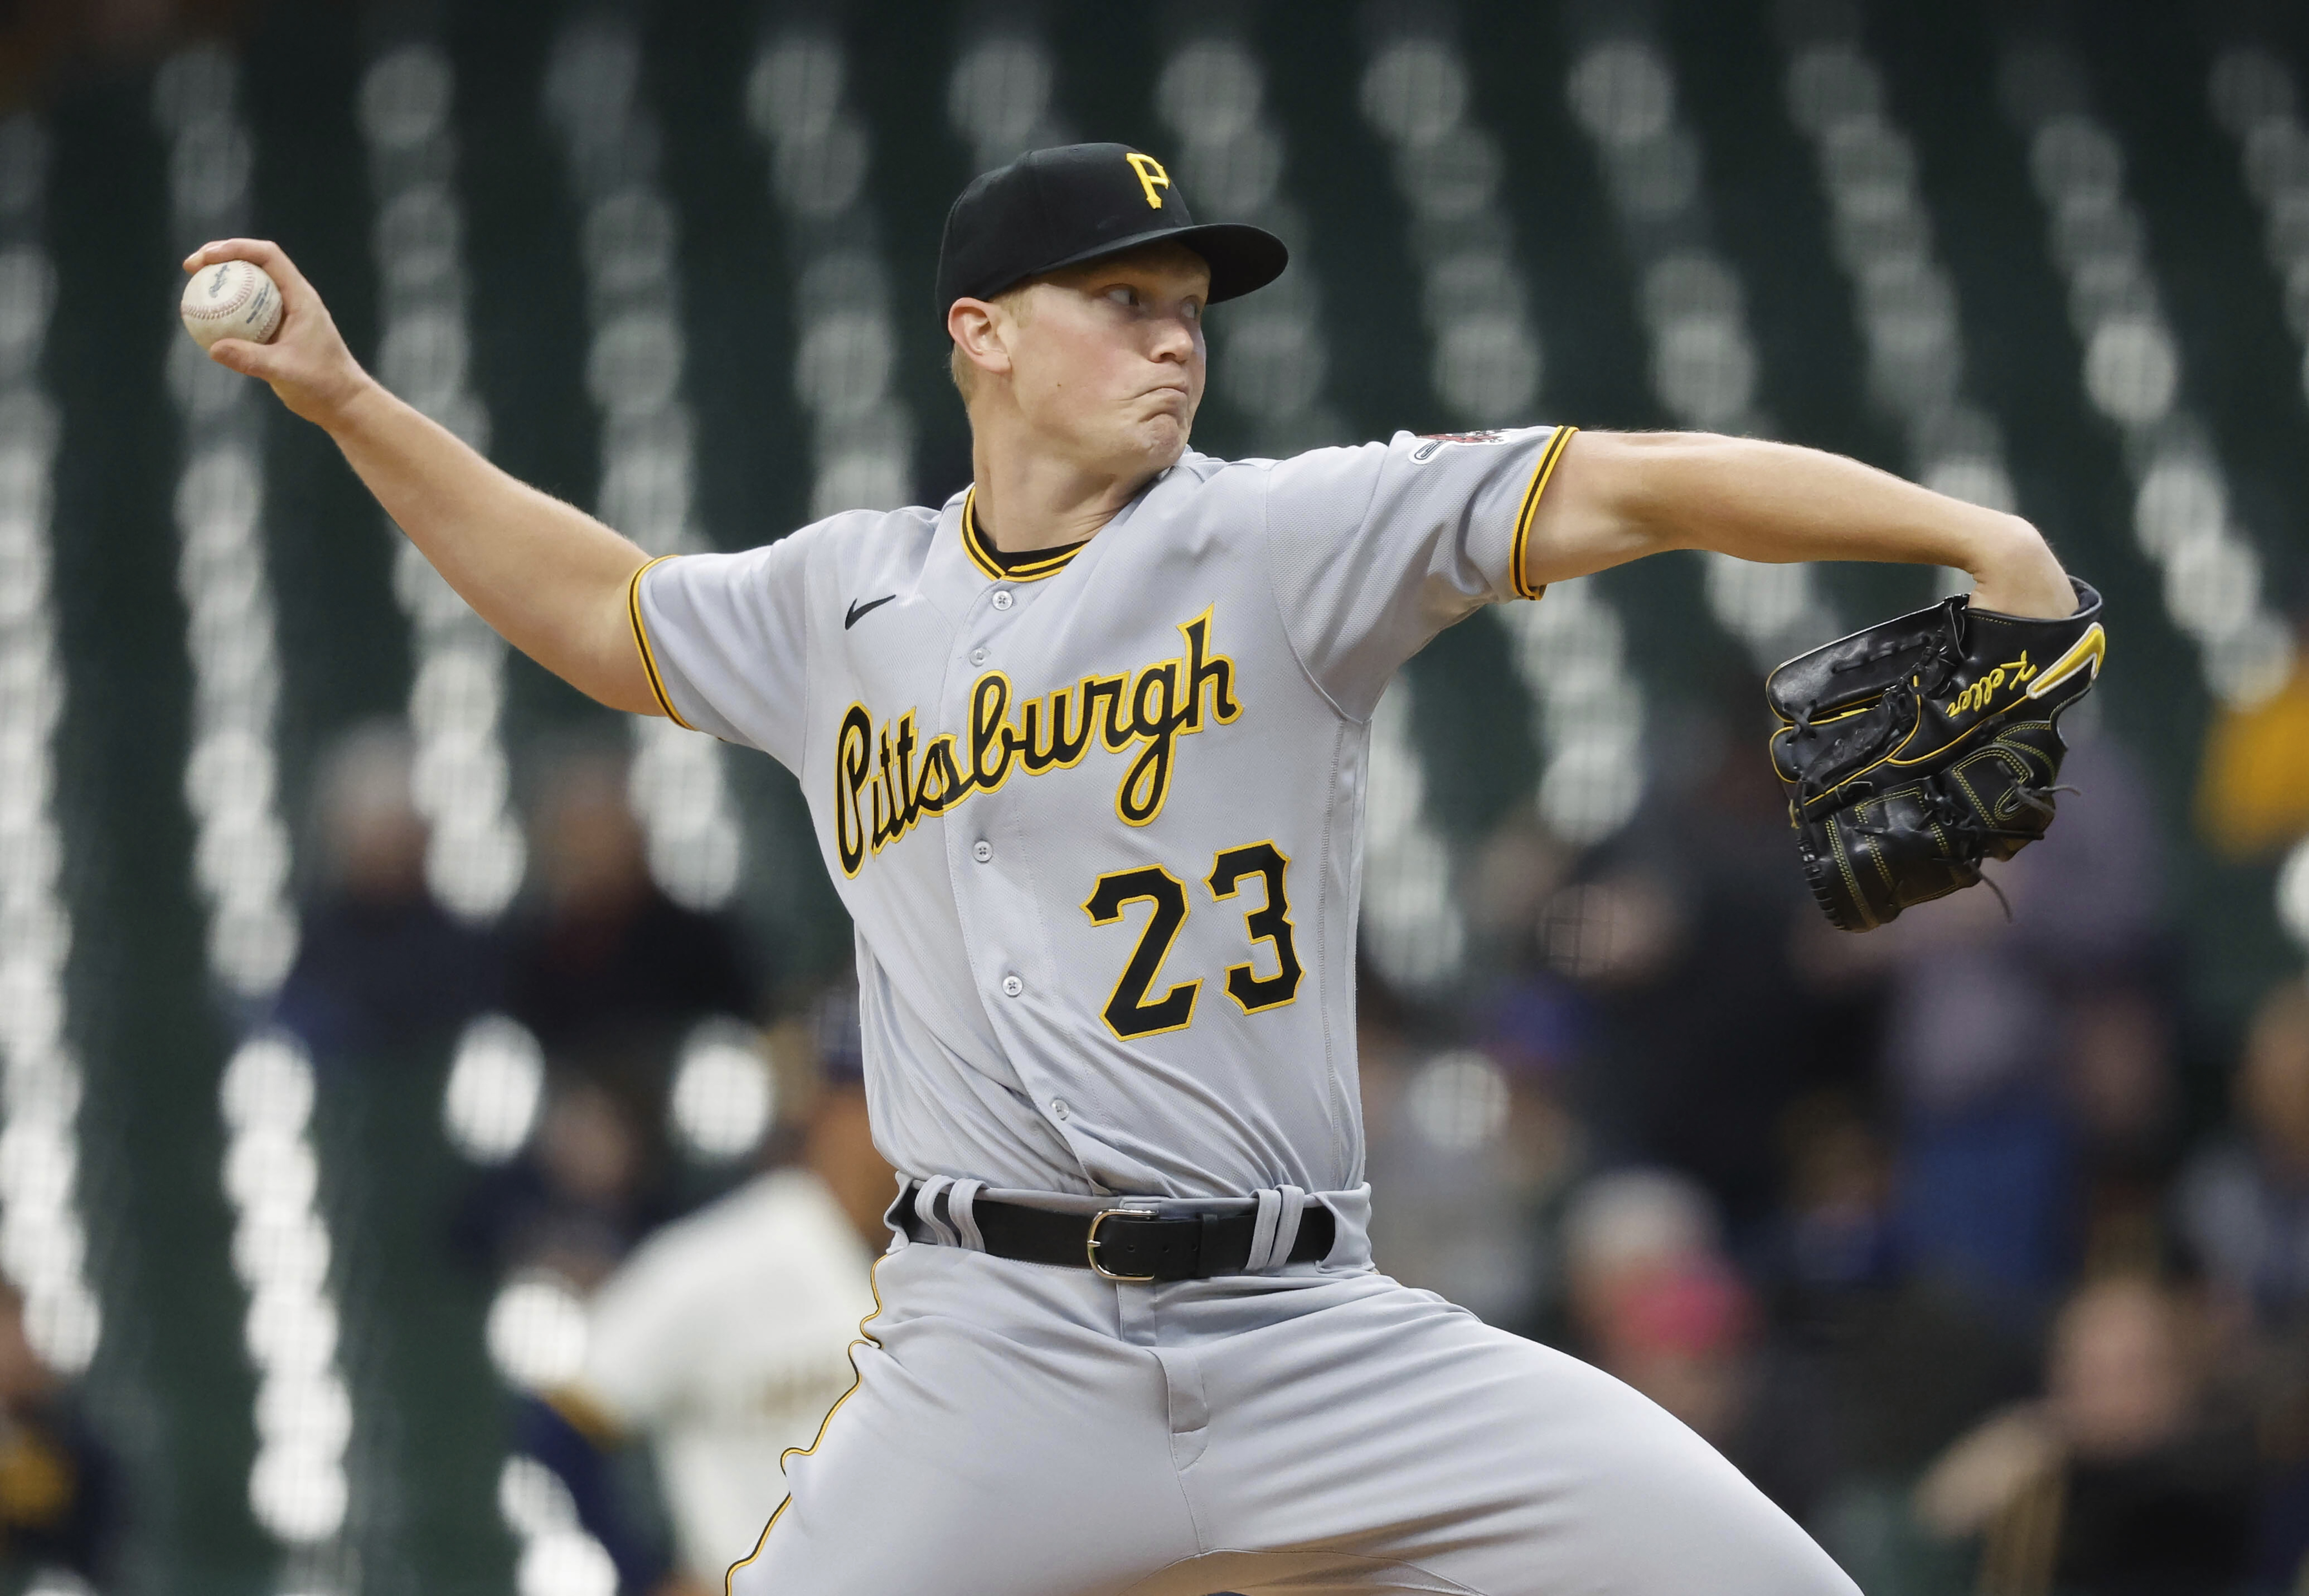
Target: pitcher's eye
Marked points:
1123	294
1192	310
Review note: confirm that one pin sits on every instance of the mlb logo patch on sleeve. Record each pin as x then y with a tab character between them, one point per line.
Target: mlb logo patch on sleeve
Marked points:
1433	443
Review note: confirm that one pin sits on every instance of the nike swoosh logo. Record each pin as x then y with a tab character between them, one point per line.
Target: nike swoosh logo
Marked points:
859	612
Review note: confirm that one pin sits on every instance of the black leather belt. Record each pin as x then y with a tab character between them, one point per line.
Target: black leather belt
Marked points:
1134	1244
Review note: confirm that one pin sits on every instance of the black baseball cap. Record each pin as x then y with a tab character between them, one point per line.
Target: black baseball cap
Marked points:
1054	208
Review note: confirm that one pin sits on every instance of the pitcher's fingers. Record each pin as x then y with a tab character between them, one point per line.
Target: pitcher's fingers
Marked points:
259	360
261	251
226	249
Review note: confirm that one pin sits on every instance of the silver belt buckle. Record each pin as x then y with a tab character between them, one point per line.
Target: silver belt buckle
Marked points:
1090	1244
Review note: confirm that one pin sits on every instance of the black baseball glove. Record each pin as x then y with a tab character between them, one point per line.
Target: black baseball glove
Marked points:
1916	749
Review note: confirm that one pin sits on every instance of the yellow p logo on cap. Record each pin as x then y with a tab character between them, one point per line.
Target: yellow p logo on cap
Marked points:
1150	172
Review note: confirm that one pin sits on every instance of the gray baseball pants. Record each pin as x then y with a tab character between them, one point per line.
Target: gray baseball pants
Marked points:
1021	1429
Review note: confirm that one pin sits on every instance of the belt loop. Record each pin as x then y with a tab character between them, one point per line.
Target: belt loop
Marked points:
1262	1231
1280	1208
961	1208
1292	1208
926	1204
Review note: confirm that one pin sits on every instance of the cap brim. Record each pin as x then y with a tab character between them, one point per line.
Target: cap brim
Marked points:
1241	257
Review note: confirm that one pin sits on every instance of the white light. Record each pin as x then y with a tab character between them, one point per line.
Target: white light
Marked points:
42	1251
536	1332
724	1095
1487	368
475	871
1830	85
404	97
42	1247
566	1563
1705	369
64	1326
1761	603
496	1086
268	1085
2131	370
269	1172
533	1499
1414	91
286	1249
305	1412
1590	790
2212	585
998	92
2180	499
820	177
1411	915
795	89
2293	894
844	367
1458	1101
1622	93
1975	480
298	1495
291	1330
36	1164
2247	666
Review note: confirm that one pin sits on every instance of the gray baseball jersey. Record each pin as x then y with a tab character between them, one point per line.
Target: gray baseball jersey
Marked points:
1098	819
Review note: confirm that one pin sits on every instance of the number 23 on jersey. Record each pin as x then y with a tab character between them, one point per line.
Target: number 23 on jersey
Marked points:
1131	1012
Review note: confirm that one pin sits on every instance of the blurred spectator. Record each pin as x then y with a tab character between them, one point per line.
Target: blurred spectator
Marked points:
724	1341
577	1200
1679	935
381	966
59	1505
605	970
2252	794
1624	1229
1470	1149
2243	1210
1845	1295
2120	1482
2243	1203
1982	1052
1838	1222
1657	1304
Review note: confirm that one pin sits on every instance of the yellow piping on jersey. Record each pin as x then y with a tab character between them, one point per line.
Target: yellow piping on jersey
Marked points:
873	1284
1027	571
642	643
1518	573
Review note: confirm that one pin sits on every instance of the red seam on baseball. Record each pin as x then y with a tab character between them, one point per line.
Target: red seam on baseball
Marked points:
248	287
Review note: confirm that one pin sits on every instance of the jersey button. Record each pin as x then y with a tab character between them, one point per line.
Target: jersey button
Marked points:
981	851
1059	1109
1012	985
978	656
1002	599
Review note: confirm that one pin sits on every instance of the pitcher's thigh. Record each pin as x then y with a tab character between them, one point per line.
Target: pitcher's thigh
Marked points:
1404	1431
971	1462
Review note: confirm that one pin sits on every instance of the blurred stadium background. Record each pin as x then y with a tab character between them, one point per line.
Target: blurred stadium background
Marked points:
363	993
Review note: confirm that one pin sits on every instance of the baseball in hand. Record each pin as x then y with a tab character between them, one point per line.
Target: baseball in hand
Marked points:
231	300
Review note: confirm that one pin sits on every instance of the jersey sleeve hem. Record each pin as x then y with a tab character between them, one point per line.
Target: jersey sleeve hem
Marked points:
642	643
1518	572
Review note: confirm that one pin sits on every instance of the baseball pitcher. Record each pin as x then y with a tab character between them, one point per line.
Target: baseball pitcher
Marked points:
1086	750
